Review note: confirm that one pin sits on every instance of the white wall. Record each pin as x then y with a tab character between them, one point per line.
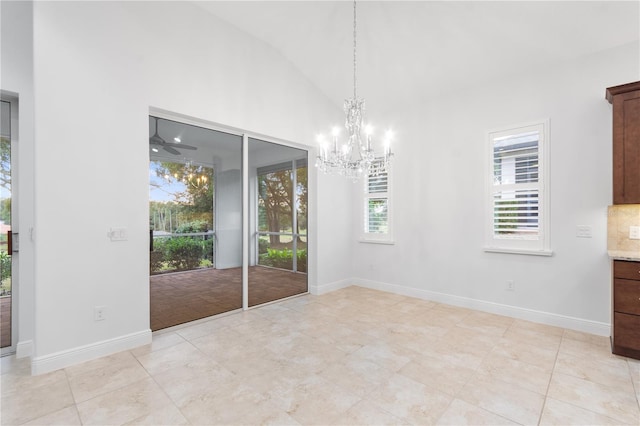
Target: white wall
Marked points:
99	67
439	199
16	78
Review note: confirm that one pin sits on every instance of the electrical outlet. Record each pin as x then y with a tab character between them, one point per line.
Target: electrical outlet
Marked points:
511	285
99	313
634	232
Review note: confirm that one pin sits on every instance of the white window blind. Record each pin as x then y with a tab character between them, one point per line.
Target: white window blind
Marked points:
517	215
377	217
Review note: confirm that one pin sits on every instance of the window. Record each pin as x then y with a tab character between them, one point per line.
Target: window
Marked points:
377	209
517	190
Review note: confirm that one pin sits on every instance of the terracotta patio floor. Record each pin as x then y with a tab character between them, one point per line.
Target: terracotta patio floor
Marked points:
5	321
181	297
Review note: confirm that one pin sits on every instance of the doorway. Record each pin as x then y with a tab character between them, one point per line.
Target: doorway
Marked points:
278	194
198	175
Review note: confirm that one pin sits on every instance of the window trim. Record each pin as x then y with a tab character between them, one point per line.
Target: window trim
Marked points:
372	237
541	246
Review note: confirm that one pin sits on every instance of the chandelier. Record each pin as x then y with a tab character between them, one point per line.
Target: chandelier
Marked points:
190	175
354	156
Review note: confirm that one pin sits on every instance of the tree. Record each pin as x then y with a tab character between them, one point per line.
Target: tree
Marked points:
302	194
5	163
5	180
5	210
198	181
194	203
275	198
276	201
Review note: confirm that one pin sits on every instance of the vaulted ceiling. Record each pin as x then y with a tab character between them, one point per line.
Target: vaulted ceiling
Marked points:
410	50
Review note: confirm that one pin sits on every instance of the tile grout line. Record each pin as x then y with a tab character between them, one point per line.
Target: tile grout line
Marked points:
607	415
553	369
167	395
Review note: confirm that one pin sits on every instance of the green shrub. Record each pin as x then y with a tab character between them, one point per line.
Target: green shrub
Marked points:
183	253
156	261
208	250
190	227
158	255
263	246
278	258
283	259
302	260
5	265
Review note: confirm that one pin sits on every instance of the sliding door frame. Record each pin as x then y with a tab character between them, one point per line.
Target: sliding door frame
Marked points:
14	118
311	177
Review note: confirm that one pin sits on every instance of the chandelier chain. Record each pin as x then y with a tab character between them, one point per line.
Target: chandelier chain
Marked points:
354	49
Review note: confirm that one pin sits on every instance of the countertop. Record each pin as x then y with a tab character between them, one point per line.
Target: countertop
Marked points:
624	255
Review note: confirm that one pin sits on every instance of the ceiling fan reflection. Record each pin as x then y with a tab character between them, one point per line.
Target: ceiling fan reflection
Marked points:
167	146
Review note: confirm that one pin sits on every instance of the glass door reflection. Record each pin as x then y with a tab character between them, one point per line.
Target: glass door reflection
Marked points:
195	218
6	253
278	194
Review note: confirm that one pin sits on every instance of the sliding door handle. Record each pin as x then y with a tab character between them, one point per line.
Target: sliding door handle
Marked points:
11	246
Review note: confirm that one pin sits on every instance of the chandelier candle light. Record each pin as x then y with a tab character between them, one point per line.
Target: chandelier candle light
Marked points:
355	156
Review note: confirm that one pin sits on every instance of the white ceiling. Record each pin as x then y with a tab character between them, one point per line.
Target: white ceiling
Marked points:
409	50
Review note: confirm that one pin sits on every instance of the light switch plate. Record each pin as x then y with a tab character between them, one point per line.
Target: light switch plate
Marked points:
634	232
583	231
117	234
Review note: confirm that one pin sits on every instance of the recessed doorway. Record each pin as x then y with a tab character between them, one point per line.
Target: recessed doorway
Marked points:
196	221
278	194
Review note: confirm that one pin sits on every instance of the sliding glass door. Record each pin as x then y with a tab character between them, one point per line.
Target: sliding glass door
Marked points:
195	217
8	204
278	194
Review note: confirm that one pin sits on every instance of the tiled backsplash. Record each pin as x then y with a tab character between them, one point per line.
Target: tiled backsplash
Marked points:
621	217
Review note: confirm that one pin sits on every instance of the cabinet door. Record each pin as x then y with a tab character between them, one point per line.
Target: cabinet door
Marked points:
627	333
626	269
626	148
626	296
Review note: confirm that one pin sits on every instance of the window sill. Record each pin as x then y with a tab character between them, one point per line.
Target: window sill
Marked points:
385	242
547	253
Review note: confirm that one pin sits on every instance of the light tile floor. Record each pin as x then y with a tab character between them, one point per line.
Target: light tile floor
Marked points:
353	356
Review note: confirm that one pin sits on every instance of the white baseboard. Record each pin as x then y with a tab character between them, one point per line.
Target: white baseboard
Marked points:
62	359
572	323
24	349
317	290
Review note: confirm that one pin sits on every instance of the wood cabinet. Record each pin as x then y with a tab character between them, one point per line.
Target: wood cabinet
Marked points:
625	333
626	142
